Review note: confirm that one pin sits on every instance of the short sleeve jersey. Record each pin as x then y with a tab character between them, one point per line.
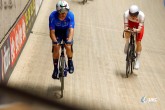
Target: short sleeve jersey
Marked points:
140	18
56	24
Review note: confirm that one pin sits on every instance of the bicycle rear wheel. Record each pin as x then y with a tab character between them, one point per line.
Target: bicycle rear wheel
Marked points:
132	66
62	65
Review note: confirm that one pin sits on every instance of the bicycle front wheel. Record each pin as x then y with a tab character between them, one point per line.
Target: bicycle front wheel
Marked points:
62	65
128	61
127	68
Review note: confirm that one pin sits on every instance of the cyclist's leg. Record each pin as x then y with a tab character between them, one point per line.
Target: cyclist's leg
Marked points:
69	52
127	37
138	48
138	40
69	49
55	55
68	45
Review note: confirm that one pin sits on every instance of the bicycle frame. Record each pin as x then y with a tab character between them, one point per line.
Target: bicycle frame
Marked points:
130	58
132	47
62	67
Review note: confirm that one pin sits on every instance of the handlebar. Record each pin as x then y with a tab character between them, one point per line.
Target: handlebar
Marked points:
129	30
63	43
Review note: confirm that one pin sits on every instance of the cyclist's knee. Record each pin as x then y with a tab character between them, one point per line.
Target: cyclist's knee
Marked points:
56	48
69	48
138	43
139	46
127	35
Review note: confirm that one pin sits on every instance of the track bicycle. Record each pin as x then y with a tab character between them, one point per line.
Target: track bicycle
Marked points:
131	55
62	67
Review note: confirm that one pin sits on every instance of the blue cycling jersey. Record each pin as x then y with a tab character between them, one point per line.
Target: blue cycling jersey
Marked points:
56	24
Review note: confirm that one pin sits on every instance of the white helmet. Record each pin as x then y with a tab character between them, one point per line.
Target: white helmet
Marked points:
134	10
62	6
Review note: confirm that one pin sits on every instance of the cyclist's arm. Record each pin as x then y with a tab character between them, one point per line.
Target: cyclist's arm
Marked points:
141	23
53	36
71	27
71	33
125	21
52	29
140	27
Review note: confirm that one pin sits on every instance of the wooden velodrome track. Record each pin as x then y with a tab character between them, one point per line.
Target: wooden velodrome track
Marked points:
99	80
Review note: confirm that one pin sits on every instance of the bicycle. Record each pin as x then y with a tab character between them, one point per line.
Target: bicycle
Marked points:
62	67
130	57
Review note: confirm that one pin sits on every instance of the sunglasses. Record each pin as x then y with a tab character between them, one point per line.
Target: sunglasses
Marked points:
134	14
63	11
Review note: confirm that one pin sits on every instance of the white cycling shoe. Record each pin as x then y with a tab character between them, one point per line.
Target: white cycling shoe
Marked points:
137	65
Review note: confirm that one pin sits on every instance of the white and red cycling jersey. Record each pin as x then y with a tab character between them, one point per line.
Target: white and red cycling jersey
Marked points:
137	23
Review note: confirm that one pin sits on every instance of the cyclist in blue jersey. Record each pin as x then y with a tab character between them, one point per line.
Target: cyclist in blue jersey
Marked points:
61	25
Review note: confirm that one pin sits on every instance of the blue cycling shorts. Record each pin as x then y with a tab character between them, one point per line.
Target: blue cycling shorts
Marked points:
62	35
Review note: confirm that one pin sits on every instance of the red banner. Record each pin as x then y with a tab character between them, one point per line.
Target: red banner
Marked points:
17	39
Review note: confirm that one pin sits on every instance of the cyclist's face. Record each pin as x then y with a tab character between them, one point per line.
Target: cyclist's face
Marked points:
62	15
133	17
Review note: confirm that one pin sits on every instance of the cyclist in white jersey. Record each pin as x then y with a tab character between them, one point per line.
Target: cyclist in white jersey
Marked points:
134	19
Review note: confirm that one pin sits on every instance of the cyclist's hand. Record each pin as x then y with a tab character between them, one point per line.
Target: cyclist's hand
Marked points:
126	29
134	30
69	41
55	42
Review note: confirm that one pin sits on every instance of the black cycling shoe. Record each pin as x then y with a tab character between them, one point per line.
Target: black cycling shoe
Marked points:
70	66
55	74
